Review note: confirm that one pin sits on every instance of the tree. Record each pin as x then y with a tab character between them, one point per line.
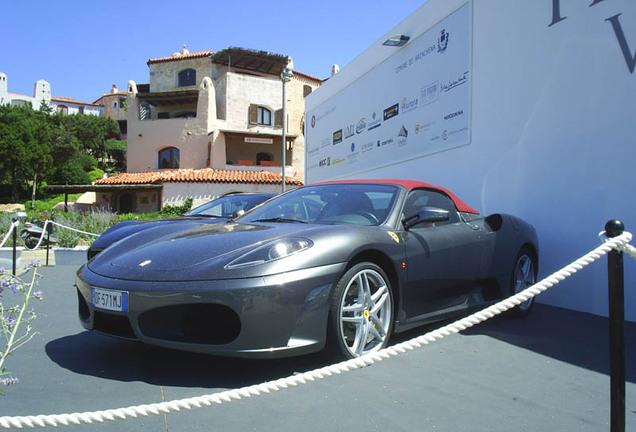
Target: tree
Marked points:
92	133
116	150
25	137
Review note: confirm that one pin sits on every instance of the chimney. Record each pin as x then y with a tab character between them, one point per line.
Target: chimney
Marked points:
113	89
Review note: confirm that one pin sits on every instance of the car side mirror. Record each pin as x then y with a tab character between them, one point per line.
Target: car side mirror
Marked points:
238	213
426	214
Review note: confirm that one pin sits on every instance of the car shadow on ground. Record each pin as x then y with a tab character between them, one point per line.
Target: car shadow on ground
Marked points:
573	337
576	338
89	353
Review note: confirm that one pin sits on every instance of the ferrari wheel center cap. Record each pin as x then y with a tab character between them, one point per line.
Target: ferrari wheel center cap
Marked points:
365	314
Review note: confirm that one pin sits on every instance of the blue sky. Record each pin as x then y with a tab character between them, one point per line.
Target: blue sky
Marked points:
83	47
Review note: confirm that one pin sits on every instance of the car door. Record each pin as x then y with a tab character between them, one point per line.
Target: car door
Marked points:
443	259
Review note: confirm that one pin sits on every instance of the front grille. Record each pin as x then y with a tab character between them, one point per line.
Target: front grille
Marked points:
111	324
192	323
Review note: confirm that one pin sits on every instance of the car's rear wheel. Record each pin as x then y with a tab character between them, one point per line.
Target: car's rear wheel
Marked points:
524	275
361	313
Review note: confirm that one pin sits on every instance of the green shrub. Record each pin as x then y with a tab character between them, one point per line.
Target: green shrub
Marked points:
95	174
177	210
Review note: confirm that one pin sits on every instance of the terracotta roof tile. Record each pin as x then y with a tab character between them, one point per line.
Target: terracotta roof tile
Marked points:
176	57
69	100
206	175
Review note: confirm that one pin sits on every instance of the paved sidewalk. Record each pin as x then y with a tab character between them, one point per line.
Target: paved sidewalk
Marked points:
546	372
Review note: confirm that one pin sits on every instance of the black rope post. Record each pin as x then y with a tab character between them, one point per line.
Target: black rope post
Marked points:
616	291
15	248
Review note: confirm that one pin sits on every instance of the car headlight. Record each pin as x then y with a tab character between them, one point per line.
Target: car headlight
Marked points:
271	252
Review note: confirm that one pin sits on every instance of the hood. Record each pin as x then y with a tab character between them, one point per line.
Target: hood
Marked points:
189	250
128	228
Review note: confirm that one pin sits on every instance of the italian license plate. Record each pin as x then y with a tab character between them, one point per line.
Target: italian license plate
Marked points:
110	300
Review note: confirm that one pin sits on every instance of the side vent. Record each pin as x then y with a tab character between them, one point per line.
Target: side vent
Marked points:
493	222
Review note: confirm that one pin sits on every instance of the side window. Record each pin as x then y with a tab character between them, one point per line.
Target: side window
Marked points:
419	198
187	77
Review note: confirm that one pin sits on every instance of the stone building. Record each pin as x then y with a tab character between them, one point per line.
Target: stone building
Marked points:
213	112
114	107
42	94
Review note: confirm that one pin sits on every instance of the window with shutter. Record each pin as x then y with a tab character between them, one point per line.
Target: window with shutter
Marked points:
253	114
278	118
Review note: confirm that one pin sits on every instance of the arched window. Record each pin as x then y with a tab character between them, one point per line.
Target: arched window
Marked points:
169	158
187	77
259	115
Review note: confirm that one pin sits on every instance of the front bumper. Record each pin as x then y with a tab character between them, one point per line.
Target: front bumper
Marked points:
270	316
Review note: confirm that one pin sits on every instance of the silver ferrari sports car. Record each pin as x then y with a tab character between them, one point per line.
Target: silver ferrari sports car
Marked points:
337	266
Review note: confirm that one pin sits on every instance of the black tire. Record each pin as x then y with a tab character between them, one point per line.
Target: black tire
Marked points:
357	326
522	276
31	242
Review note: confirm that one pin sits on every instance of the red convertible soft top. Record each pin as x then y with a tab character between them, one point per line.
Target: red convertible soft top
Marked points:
414	184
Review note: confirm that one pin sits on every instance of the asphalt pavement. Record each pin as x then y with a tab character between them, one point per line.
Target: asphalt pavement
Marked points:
549	371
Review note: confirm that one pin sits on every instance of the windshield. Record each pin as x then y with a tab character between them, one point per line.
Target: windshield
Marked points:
225	207
354	204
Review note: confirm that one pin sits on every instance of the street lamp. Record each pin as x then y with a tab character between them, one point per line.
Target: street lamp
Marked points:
285	76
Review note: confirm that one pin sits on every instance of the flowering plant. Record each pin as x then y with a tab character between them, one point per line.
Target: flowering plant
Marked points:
15	316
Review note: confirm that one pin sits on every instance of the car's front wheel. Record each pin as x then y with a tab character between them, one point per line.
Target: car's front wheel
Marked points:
361	313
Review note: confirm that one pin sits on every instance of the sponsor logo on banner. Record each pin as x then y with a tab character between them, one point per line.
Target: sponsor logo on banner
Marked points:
337	161
453	115
375	122
391	111
337	137
353	155
421	127
313	121
451	84
442	41
349	131
361	126
457	131
429	93
402	136
324	162
408	105
367	147
384	142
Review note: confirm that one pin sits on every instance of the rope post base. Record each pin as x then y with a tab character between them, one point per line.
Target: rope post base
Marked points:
616	293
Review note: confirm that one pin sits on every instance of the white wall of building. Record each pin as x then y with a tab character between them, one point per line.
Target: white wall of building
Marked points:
201	193
551	140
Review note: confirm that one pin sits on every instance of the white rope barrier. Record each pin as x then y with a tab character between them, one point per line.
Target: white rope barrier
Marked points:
48	221
73	229
620	243
14	225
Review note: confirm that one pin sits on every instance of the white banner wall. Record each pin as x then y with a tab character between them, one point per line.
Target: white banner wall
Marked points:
545	114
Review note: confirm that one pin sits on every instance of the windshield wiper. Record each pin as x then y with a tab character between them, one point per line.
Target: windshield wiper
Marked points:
279	219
